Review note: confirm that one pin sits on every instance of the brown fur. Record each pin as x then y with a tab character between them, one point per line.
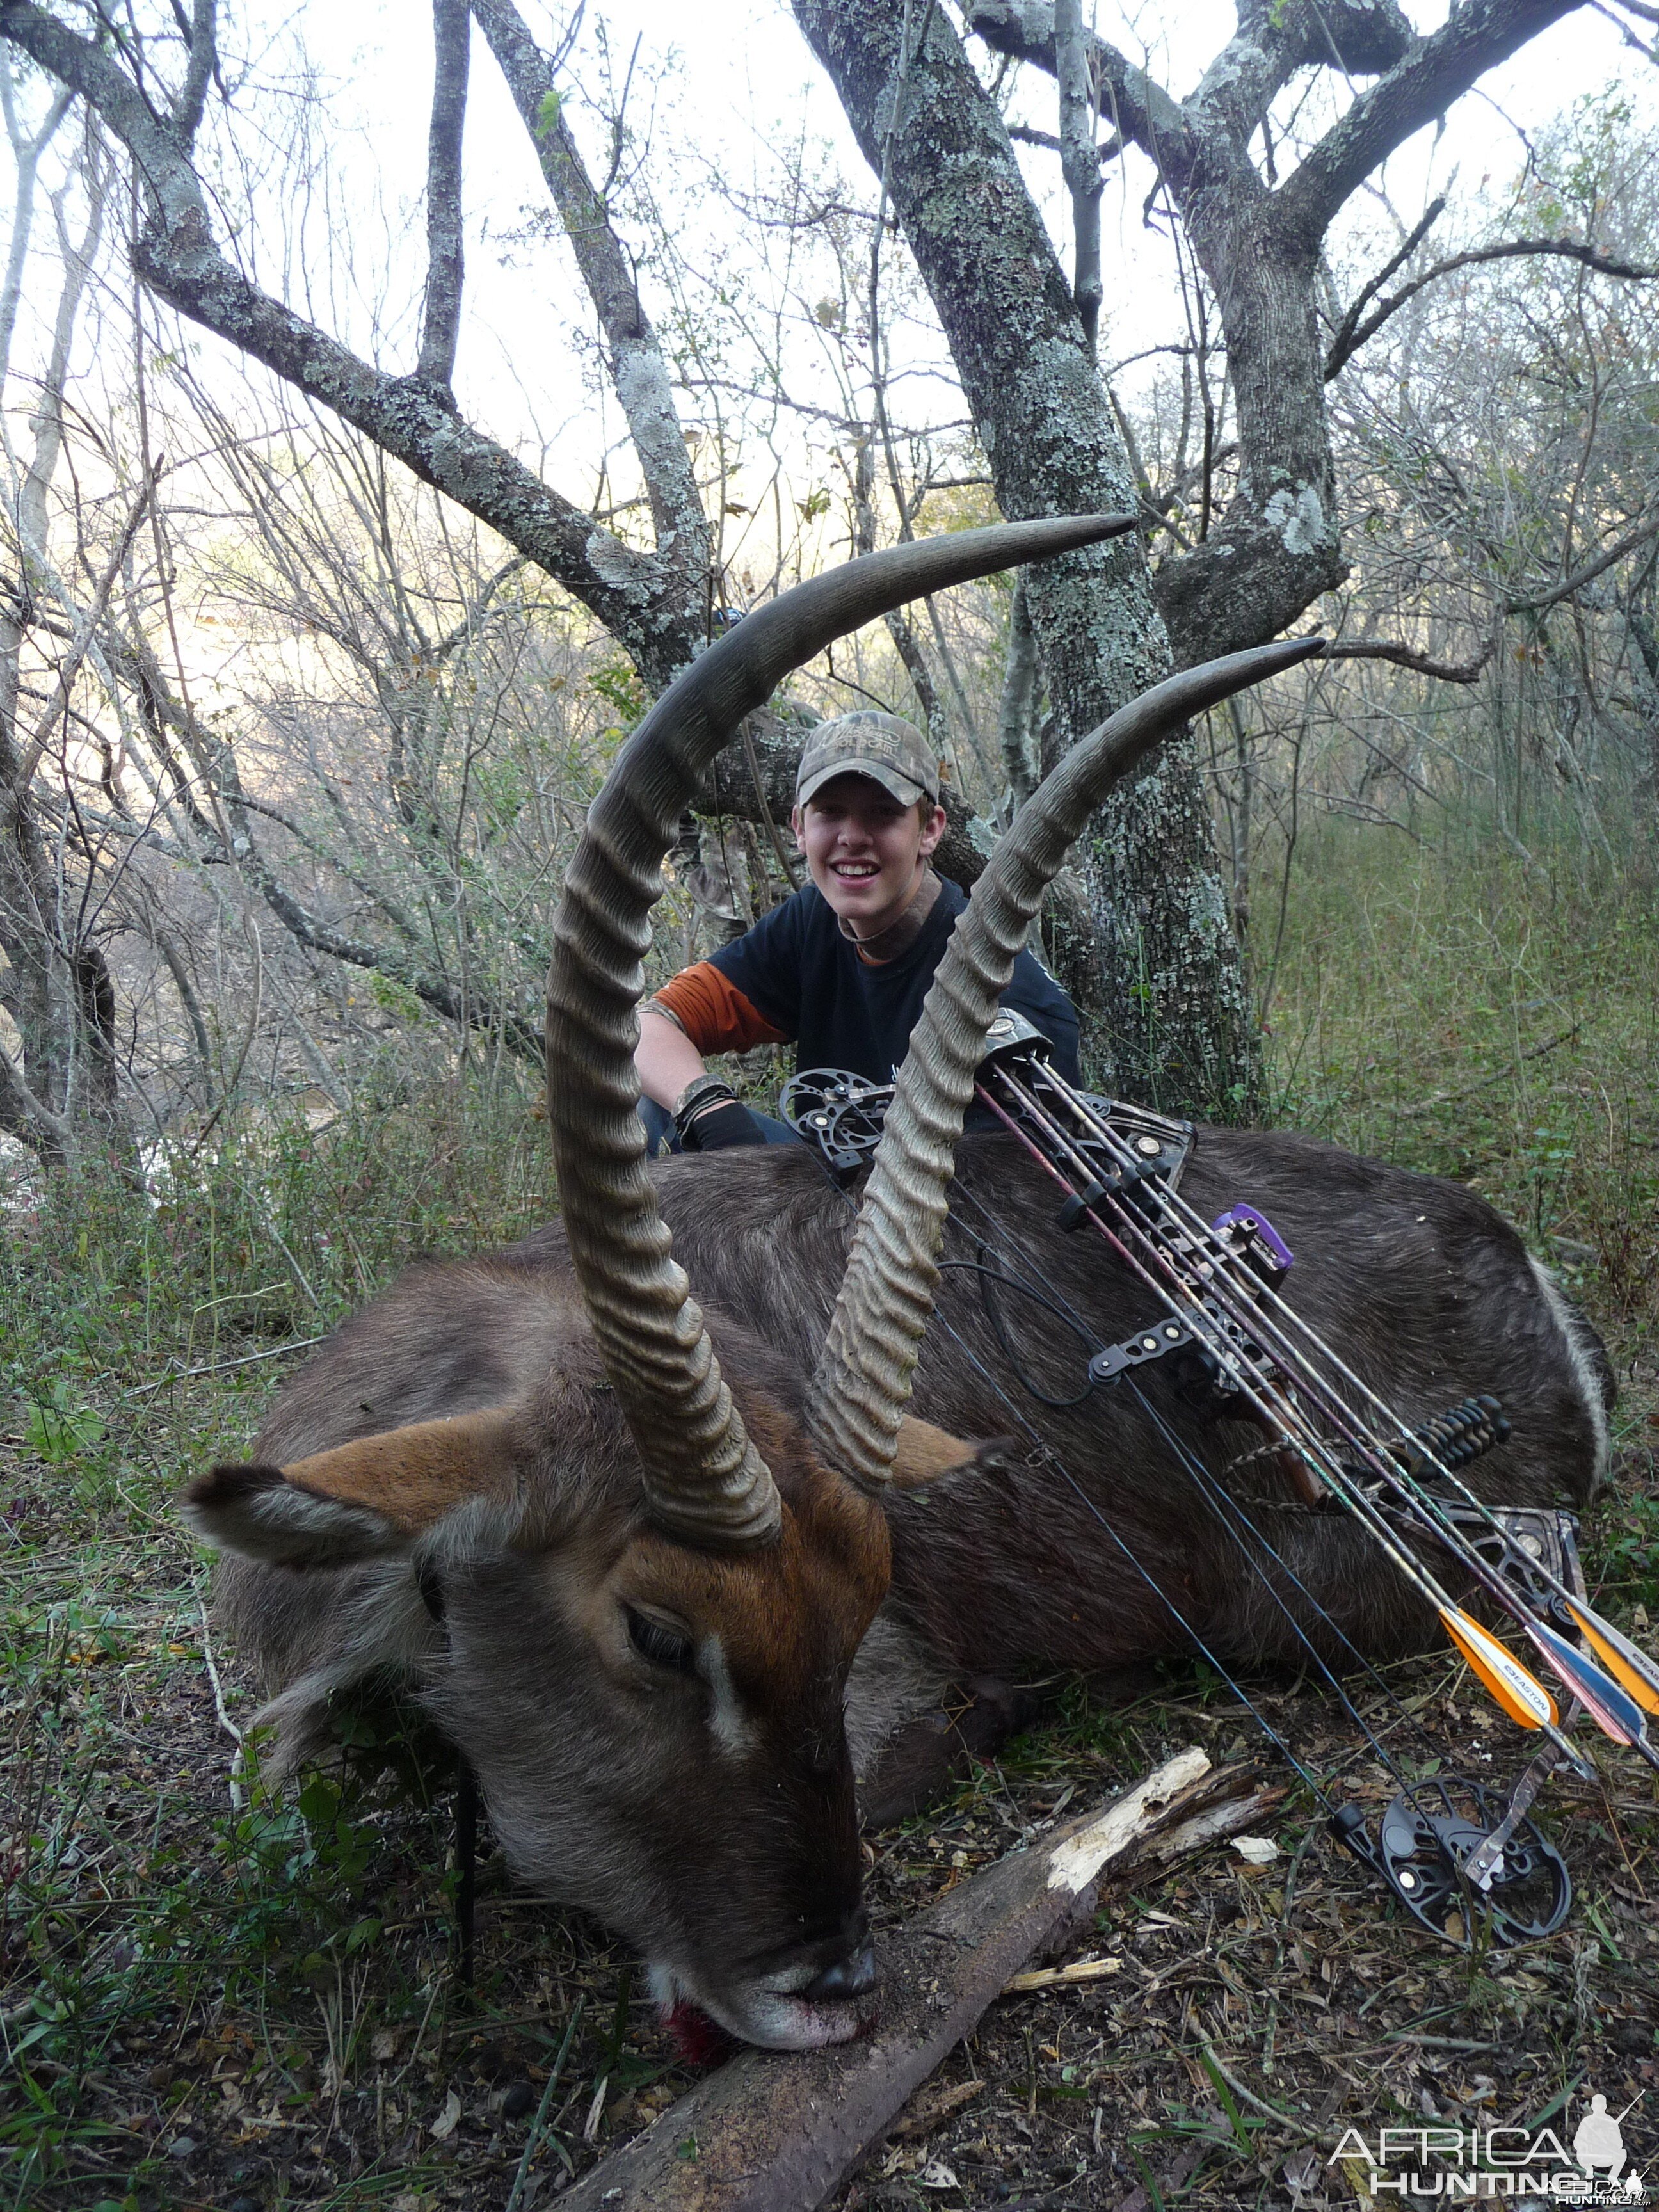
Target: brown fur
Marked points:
499	1563
924	1454
416	1475
1008	1570
709	1813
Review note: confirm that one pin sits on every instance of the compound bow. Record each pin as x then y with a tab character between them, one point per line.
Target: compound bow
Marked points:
1450	1852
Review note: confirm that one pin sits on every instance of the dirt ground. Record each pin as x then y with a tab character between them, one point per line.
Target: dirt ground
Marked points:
215	2008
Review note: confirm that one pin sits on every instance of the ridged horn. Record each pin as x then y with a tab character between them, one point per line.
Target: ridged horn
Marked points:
705	1481
862	1382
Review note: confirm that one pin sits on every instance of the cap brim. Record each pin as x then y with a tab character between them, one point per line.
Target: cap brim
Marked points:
901	788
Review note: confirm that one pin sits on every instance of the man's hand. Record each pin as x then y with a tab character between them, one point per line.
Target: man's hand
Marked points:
709	1118
720	1126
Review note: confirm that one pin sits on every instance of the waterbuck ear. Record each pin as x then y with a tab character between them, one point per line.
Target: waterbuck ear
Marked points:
924	1453
366	1500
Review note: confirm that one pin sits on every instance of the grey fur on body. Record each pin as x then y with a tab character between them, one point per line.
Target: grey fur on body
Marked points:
1003	1572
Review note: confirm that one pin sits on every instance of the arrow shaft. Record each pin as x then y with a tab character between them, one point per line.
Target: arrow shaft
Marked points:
1635	1676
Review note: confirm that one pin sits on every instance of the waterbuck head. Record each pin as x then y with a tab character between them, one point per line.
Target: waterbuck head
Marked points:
656	1724
632	1595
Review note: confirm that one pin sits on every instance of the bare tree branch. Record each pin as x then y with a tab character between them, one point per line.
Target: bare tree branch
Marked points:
1422	77
1274	38
29	1119
1140	107
1354	334
86	627
1079	160
1276	545
25	154
637	368
1444	671
451	37
900	627
470	1008
644	600
1277	38
204	57
1421	86
215	767
1588	574
1344	342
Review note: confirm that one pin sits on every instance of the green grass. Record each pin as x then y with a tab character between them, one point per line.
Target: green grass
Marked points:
1455	1009
1451	1009
152	1933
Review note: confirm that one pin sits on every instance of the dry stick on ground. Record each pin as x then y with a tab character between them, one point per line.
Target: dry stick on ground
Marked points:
772	2133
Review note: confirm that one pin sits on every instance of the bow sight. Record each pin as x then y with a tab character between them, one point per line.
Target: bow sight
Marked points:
1220	1326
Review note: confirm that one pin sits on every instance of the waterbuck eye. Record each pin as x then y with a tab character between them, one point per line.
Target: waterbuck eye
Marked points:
663	1647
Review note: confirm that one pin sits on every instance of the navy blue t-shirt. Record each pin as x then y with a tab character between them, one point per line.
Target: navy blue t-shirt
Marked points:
803	977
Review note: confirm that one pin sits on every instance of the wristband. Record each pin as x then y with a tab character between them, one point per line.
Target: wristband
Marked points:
700	1093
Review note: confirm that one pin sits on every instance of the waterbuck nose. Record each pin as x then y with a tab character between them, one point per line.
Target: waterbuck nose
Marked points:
855	1976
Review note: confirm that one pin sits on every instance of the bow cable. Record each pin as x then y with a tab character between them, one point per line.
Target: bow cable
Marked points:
1429	1879
1437	1862
1477	1864
1614	1697
1512	1688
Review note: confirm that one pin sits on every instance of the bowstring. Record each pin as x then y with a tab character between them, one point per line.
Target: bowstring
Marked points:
1285	1350
1519	1797
1236	1523
1293	1340
1063	1310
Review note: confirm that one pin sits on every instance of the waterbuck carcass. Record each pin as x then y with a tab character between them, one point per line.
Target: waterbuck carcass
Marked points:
1082	1544
629	1559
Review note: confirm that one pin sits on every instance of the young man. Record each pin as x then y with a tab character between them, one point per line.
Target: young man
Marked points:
842	967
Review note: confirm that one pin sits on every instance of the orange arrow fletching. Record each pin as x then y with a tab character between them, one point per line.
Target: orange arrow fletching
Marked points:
1520	1694
1630	1667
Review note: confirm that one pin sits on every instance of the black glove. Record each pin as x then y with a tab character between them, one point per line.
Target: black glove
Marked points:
716	1122
717	1128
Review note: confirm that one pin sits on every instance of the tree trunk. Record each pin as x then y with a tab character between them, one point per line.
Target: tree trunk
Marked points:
1168	1018
1276	546
61	1093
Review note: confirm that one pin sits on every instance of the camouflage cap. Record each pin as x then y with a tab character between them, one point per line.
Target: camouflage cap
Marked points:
894	754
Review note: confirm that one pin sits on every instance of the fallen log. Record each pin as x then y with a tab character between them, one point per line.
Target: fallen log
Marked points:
775	2132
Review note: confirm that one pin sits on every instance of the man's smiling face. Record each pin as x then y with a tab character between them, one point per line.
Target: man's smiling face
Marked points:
864	849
